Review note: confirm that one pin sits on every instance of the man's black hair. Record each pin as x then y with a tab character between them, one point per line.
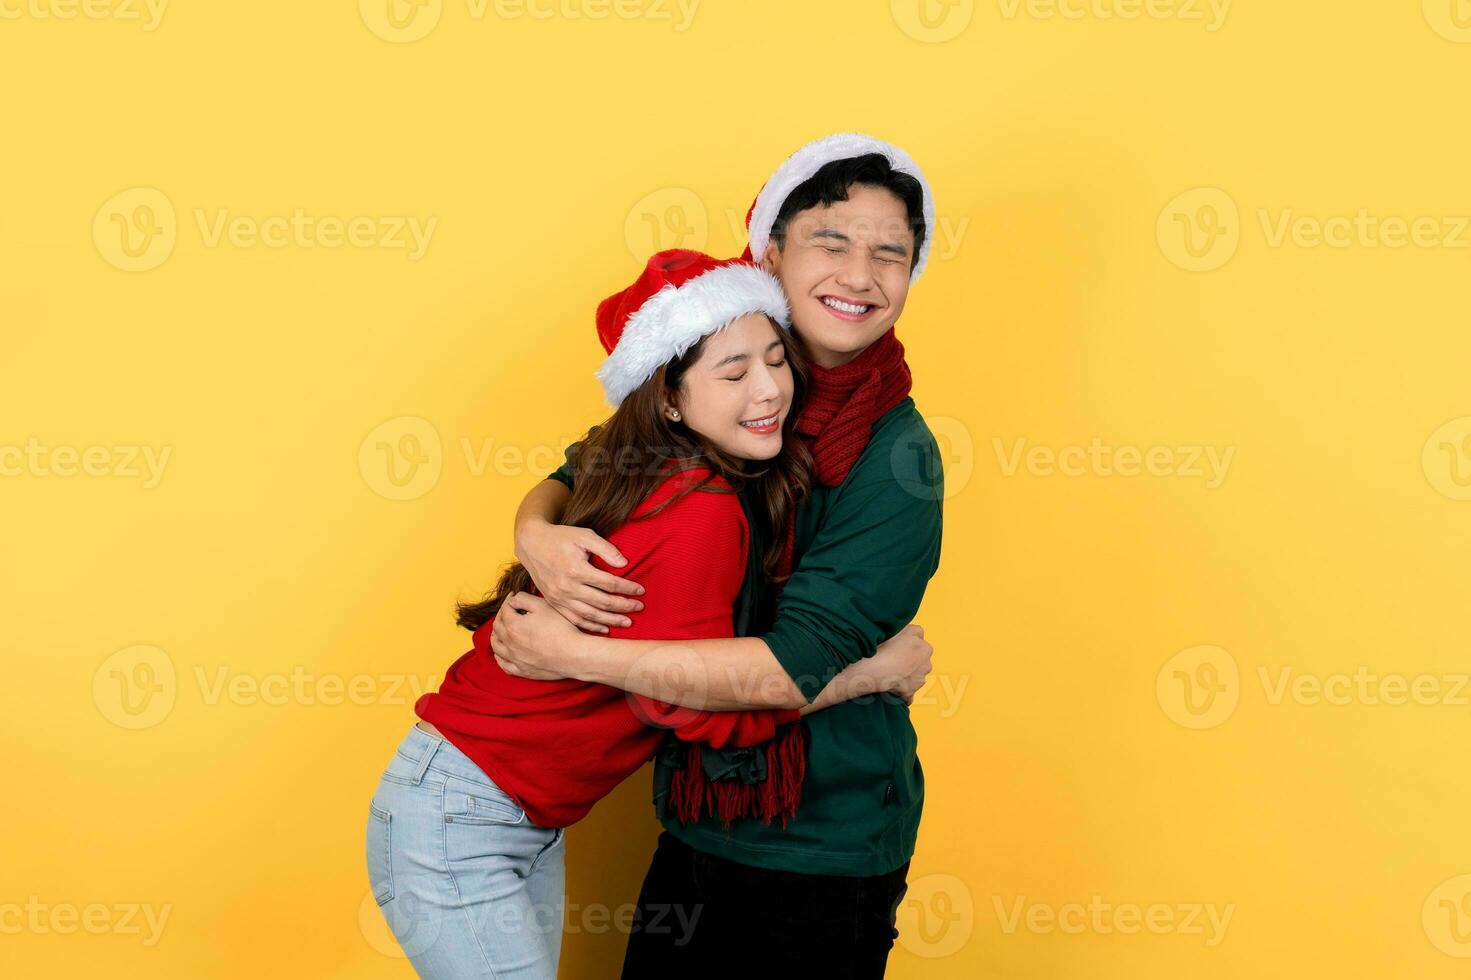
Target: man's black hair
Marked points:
831	183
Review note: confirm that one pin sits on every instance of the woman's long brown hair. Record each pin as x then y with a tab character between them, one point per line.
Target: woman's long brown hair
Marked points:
619	463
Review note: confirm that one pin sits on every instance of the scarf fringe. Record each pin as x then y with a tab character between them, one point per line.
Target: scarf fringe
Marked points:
693	796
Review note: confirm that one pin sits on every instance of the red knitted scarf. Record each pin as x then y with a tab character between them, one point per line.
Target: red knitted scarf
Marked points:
842	405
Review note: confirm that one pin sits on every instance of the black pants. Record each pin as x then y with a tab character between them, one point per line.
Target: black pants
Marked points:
702	916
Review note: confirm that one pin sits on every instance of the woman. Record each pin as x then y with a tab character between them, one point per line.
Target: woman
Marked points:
465	830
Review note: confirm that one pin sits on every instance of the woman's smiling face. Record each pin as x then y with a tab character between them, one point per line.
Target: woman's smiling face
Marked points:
739	391
845	268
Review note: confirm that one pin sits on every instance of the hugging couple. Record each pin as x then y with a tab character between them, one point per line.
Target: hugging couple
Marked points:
758	519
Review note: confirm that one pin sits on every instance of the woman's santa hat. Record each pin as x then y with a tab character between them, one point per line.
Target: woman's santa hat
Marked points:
804	164
680	297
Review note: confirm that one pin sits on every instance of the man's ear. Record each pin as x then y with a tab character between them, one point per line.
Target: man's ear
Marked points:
771	259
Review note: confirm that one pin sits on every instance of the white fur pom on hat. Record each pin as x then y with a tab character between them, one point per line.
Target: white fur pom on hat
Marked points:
680	297
803	164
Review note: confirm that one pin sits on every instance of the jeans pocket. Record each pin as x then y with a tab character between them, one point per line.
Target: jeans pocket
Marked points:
481	809
380	853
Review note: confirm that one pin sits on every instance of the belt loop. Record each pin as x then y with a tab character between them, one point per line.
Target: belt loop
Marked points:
423	764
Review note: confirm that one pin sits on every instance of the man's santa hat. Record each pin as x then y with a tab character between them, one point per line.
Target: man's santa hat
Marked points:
680	297
804	164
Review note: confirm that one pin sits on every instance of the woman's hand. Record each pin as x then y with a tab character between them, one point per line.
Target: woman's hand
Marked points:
903	662
531	639
557	556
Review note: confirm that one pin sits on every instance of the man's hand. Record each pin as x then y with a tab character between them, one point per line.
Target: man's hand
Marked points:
531	639
557	557
898	667
903	662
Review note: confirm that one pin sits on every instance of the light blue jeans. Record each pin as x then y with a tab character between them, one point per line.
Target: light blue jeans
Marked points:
470	887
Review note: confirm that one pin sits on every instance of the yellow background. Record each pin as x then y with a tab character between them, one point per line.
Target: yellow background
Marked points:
1064	755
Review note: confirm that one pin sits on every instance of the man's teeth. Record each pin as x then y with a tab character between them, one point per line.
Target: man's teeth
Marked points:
760	423
842	307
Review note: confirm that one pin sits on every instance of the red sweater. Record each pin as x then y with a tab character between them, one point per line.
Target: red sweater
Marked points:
557	747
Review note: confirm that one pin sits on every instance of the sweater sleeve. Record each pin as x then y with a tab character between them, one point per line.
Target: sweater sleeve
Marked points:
563	474
690	557
863	575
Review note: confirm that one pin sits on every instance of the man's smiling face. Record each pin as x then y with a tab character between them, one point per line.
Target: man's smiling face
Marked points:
845	267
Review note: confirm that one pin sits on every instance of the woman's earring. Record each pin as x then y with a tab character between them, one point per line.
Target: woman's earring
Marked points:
674	414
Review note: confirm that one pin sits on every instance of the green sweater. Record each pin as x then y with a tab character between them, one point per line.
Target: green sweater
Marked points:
864	552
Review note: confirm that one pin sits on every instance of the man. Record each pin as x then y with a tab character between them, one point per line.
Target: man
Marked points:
845	224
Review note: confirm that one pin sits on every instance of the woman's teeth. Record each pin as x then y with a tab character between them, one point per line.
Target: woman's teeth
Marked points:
765	423
855	309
